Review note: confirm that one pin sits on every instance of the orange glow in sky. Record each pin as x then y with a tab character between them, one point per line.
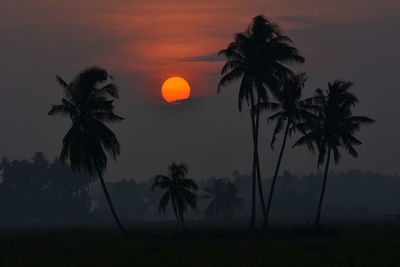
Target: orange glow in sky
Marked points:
175	88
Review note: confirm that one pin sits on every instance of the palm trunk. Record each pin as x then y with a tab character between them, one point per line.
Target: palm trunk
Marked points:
323	188
181	214
174	207
103	185
258	163
253	190
271	192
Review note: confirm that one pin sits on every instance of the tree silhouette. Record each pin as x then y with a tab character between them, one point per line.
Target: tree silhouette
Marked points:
88	102
224	199
38	189
332	128
291	111
216	194
257	56
179	190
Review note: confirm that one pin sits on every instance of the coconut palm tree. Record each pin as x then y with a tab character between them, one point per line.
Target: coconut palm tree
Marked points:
216	194
333	127
179	190
88	103
224	199
292	109
257	57
232	202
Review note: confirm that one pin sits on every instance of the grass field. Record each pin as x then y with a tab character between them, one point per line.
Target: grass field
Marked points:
351	244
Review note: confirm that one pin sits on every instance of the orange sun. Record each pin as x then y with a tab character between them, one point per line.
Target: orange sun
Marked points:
175	88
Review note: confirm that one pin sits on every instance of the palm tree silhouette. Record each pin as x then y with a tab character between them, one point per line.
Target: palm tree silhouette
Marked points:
224	199
257	56
216	194
332	128
88	102
291	110
179	190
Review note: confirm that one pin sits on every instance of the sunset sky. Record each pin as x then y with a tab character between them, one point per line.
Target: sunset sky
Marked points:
142	43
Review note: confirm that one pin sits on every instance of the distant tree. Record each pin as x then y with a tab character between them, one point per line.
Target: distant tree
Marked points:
332	128
257	57
179	190
88	102
292	110
37	189
216	194
232	202
224	199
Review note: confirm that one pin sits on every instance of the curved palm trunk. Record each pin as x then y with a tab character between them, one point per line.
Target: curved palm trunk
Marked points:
323	188
103	185
253	186
271	192
174	207
258	165
260	190
181	214
255	119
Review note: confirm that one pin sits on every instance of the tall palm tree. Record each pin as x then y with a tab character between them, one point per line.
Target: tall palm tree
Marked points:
291	111
179	190
332	128
88	103
257	57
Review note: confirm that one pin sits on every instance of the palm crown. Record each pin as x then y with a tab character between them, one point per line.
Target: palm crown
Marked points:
292	108
334	126
179	190
258	55
88	102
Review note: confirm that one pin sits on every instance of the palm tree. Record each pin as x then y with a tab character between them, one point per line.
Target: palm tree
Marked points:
179	190
257	56
224	199
232	201
216	194
332	128
291	110
88	102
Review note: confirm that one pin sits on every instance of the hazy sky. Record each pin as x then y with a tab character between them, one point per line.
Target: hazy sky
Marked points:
144	42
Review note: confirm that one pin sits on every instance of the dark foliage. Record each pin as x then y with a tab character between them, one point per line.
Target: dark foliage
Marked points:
41	190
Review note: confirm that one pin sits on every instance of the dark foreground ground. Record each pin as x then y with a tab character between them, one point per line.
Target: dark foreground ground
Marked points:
351	244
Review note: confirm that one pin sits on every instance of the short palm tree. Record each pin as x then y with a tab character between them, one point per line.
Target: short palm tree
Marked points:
179	191
333	127
216	194
224	199
232	202
292	110
88	103
257	57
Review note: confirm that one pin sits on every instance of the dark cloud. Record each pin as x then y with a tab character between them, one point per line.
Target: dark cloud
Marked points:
213	57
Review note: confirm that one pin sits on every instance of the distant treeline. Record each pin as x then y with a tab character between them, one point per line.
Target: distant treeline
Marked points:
39	189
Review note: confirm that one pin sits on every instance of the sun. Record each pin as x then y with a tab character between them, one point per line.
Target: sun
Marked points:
175	88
